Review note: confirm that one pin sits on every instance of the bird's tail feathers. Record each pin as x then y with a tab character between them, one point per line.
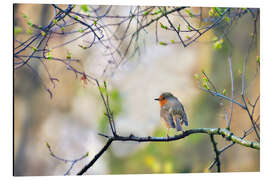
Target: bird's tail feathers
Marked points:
185	119
178	125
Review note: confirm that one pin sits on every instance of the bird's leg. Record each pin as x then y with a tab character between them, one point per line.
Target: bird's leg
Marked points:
168	133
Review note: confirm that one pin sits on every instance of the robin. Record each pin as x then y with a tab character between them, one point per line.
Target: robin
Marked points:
172	112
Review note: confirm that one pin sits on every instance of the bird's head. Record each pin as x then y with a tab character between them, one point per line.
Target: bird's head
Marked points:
163	98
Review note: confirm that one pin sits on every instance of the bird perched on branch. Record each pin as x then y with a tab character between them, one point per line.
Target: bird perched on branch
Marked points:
172	112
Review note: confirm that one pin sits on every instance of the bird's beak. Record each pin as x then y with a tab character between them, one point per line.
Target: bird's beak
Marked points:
157	99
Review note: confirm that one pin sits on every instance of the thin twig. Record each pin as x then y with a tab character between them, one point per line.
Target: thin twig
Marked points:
232	87
224	97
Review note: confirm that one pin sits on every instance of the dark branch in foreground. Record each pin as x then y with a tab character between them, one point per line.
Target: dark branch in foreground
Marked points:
217	152
96	157
211	131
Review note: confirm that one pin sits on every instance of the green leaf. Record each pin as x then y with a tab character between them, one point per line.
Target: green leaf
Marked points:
227	19
157	12
205	79
81	46
84	8
218	44
95	22
219	11
81	30
172	41
179	27
258	59
34	48
49	56
146	13
54	21
48	145
76	17
25	16
196	76
163	26
211	12
43	33
29	31
105	84
30	23
163	43
188	11
224	91
68	56
205	85
189	28
17	30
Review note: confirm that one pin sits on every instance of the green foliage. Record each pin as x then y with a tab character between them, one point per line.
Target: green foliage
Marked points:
81	30
49	55
178	27
29	31
68	56
146	13
172	41
157	12
163	43
258	59
30	23
54	21
81	46
34	48
196	76
215	11
163	26
218	44
25	16
224	91
84	8
188	37
43	33
17	30
205	85
48	145
188	11
227	19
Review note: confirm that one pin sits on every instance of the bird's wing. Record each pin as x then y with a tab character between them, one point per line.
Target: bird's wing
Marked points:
179	109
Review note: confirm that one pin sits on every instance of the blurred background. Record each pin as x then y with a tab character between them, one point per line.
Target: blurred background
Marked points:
71	120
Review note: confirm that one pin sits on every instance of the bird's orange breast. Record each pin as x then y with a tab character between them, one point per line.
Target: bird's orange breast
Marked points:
162	102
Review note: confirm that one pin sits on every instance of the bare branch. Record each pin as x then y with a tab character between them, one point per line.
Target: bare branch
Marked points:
214	143
232	82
